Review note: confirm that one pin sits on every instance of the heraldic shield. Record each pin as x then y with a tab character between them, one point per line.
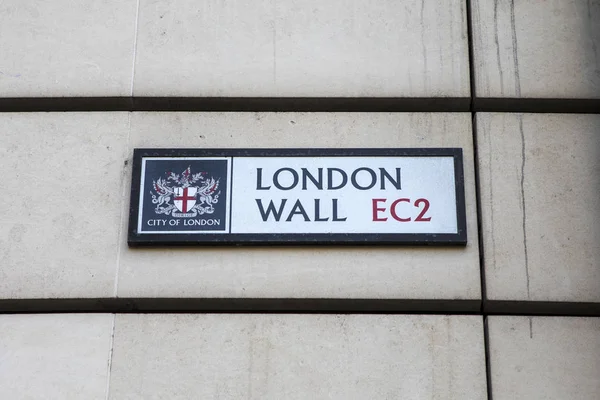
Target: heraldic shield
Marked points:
192	195
185	198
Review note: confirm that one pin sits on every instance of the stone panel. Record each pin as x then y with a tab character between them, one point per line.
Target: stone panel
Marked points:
540	180
66	48
235	356
302	48
59	224
305	272
550	358
546	49
54	356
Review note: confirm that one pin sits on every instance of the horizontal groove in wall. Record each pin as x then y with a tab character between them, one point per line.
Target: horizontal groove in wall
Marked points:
541	308
530	105
306	306
240	104
58	104
233	305
299	104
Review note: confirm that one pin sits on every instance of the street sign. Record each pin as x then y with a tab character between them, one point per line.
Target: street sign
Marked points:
297	196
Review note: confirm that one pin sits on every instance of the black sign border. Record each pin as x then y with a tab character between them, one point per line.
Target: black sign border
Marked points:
292	239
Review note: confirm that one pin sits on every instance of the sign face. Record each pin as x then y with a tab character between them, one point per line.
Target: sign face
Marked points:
289	196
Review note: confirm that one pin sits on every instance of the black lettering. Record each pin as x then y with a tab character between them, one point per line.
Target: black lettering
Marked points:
330	179
335	211
317	182
318	212
298	210
276	179
373	178
384	175
270	210
259	185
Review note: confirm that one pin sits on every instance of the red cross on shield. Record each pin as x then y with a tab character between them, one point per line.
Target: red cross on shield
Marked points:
185	198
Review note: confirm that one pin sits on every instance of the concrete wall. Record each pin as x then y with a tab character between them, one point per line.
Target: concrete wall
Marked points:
82	315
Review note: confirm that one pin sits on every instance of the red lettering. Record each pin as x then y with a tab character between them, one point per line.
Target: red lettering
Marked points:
380	208
393	210
421	217
376	210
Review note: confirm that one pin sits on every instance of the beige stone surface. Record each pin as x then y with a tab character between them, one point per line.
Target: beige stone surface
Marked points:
304	272
66	48
244	356
62	176
547	49
302	48
540	213
550	358
54	356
